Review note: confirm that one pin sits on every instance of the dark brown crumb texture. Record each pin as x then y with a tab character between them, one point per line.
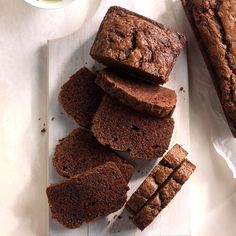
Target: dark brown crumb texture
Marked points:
123	129
164	195
80	96
212	23
156	178
80	151
151	99
43	131
137	44
94	193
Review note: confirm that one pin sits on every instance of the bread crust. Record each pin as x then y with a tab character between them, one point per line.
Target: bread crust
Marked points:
214	29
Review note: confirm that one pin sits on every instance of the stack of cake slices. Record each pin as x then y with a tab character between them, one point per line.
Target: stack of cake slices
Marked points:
120	108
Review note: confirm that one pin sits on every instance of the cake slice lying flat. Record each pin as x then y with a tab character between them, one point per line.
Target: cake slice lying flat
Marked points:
156	178
80	151
124	129
164	195
80	96
151	99
93	193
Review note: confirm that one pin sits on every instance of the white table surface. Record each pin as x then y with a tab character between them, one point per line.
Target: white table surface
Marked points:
24	31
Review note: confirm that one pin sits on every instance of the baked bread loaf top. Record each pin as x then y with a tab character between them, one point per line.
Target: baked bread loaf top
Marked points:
137	44
93	193
123	129
213	23
80	151
151	99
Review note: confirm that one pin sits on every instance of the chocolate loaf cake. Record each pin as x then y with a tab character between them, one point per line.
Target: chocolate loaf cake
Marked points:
80	151
164	195
123	129
213	23
137	44
156	178
80	96
93	193
151	99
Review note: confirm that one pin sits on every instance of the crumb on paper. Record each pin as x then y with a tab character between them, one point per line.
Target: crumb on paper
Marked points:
43	130
44	124
39	118
181	89
53	118
119	217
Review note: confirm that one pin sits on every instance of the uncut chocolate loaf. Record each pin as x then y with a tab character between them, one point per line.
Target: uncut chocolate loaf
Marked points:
80	151
213	23
80	96
137	44
84	197
151	99
156	178
123	129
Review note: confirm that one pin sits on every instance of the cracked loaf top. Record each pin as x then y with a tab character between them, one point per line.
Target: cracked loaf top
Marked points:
138	44
214	22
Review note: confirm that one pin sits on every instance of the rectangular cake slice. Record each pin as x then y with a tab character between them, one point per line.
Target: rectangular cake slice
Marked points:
80	151
84	197
164	195
80	96
123	129
137	44
156	178
155	100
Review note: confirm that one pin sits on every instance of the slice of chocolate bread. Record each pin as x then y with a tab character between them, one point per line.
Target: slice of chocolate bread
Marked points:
152	99
164	195
156	178
93	193
123	129
80	96
80	151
